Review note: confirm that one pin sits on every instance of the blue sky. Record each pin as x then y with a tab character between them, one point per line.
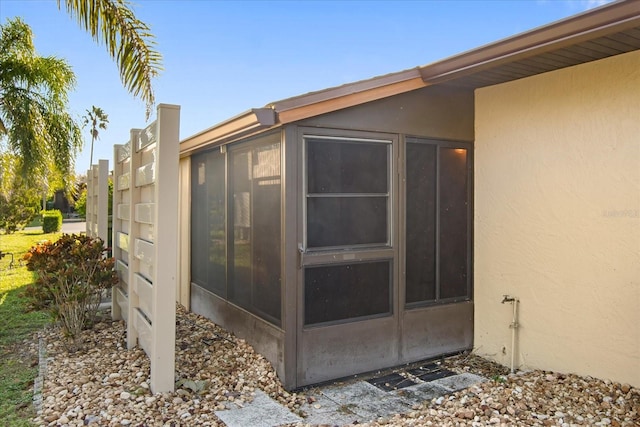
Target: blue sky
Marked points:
222	58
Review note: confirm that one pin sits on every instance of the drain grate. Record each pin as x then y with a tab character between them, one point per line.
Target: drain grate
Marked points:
430	372
391	382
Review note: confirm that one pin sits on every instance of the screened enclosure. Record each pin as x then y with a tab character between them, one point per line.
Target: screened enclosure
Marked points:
236	219
335	251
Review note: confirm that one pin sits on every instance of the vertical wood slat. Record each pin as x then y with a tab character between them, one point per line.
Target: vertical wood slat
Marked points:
134	196
97	215
167	157
120	238
183	290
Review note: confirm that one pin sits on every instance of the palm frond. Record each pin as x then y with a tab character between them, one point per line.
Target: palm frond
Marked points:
128	40
34	122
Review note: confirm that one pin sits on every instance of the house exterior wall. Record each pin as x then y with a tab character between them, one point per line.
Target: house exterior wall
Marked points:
444	112
557	219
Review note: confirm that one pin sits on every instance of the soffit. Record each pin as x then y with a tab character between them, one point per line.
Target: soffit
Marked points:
600	48
600	33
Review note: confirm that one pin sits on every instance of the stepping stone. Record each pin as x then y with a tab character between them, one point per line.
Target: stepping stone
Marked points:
263	411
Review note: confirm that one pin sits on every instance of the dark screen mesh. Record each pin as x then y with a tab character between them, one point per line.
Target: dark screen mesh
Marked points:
346	291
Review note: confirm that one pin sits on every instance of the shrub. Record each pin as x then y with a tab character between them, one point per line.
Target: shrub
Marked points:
51	221
72	273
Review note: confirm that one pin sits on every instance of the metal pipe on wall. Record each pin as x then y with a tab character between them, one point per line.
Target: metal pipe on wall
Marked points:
513	326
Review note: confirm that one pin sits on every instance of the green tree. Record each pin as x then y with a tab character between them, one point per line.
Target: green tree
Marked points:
19	203
81	204
18	206
97	119
128	40
34	122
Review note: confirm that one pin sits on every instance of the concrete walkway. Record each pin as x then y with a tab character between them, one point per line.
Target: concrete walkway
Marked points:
68	226
353	402
74	227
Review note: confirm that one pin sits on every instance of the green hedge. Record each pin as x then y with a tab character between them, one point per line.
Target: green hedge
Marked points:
51	221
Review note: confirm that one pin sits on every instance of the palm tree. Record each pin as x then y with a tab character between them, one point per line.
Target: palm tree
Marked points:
128	40
97	119
34	121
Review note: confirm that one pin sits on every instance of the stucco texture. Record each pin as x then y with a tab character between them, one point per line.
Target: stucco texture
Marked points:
557	219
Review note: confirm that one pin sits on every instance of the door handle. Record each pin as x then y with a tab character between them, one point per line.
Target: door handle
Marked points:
301	252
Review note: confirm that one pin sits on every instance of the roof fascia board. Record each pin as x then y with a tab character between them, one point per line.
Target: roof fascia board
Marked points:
347	89
586	26
348	99
241	125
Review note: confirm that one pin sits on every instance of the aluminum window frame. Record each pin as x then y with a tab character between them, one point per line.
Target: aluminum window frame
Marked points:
451	144
338	138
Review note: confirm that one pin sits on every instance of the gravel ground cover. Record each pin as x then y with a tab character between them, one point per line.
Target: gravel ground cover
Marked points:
108	385
535	398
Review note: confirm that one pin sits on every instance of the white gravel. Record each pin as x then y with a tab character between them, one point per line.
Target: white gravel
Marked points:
108	385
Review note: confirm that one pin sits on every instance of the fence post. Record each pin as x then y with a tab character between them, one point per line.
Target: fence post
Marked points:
103	201
89	205
165	248
97	215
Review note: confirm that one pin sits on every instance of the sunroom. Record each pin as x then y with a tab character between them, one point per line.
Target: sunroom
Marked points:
334	231
336	238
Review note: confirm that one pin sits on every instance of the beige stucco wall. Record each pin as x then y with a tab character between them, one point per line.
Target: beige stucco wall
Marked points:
557	219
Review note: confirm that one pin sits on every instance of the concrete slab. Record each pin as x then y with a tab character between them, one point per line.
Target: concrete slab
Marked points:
421	392
338	416
353	392
263	411
458	382
343	403
74	227
362	401
370	410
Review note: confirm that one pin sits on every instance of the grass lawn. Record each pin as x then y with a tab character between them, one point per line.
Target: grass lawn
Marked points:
18	368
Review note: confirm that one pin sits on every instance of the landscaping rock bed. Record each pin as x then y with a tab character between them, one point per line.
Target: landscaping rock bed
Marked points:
107	385
533	398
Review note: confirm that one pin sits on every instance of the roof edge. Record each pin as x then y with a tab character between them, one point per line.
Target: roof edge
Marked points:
243	124
603	20
344	90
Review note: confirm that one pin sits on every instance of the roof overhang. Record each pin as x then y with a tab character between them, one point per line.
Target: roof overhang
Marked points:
349	95
242	125
606	31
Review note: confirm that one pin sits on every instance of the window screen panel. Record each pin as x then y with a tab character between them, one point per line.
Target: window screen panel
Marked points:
208	240
347	193
346	291
266	252
255	247
437	222
240	216
454	197
338	166
346	221
421	222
